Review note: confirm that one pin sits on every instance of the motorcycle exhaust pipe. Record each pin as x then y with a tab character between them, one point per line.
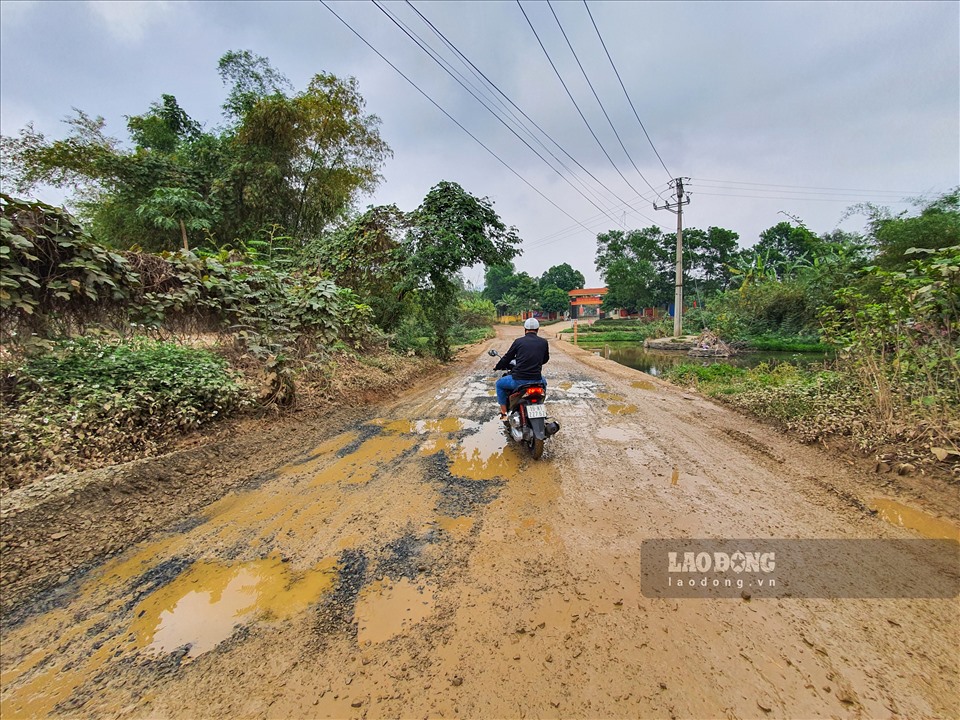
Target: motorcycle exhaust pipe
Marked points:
552	428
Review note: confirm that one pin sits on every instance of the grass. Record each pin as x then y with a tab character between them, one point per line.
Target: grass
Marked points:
468	336
810	403
612	336
799	343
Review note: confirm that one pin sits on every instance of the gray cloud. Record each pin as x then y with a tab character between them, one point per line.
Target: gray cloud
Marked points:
829	95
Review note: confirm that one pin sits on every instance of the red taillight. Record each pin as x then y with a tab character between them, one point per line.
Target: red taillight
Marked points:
534	394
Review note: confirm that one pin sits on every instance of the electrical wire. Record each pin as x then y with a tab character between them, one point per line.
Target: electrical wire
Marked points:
597	98
480	74
570	95
802	199
592	221
412	35
809	187
453	119
624	87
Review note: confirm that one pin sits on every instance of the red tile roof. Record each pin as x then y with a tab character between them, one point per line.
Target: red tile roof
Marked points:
587	291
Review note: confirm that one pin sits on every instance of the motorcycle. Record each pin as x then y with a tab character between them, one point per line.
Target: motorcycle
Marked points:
527	422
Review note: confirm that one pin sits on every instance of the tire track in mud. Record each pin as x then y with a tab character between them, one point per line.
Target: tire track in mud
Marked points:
417	564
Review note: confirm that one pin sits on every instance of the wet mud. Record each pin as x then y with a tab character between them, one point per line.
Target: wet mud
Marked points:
418	563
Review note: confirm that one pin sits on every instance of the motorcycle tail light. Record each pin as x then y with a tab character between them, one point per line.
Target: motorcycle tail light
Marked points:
534	392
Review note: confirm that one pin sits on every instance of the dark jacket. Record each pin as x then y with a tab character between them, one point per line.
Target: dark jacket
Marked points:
531	353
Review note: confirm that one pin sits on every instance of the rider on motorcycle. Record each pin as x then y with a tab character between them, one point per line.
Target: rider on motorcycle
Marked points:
530	352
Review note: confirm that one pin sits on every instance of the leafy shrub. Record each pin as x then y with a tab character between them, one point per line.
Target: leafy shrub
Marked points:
56	280
55	276
903	343
772	306
775	342
476	312
91	400
691	373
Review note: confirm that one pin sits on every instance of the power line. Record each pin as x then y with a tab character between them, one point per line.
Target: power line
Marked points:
808	187
570	95
592	221
453	119
636	115
412	35
597	97
801	199
480	74
852	194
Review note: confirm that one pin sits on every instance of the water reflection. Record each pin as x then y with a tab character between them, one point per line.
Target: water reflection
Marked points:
654	362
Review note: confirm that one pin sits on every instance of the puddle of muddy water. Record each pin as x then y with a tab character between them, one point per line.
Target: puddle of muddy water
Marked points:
203	605
616	434
386	609
610	397
643	385
456	526
485	454
171	602
423	427
621	409
913	519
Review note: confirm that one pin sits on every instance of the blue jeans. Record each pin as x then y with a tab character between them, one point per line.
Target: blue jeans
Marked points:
507	384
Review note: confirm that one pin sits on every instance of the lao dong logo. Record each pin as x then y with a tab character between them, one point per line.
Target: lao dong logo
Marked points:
721	562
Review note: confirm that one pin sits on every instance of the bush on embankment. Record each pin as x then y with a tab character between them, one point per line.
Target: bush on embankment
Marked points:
69	400
97	401
896	380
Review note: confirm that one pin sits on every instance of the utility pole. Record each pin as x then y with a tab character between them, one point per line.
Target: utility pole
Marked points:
676	207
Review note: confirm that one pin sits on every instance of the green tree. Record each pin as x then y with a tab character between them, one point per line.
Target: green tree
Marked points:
294	163
177	209
554	299
630	284
707	258
788	247
637	266
369	255
250	78
564	277
164	127
499	280
452	230
511	304
937	226
527	289
301	162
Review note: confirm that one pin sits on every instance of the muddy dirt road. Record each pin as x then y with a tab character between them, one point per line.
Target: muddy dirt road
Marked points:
408	564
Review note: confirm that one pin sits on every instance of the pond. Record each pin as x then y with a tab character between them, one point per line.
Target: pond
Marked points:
655	362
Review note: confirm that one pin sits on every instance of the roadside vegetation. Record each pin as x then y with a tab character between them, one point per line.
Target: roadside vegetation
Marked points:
209	273
892	318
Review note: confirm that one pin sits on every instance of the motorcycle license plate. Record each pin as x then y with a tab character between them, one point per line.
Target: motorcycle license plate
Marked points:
536	411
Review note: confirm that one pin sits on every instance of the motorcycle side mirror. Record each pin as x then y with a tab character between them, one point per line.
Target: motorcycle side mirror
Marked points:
492	353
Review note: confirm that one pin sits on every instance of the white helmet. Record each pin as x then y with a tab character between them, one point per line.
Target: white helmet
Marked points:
531	324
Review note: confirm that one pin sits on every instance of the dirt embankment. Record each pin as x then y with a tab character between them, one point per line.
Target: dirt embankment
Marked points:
403	560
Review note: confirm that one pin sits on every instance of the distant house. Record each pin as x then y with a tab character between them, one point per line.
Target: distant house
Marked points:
585	303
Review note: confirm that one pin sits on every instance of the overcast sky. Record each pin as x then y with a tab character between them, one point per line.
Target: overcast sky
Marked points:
804	108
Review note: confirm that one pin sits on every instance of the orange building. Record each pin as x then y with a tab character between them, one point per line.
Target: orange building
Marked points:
585	303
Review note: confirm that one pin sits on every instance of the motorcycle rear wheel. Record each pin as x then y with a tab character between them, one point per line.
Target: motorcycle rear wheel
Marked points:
536	448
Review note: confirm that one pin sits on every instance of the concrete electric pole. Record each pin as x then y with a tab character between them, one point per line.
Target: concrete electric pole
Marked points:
677	207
